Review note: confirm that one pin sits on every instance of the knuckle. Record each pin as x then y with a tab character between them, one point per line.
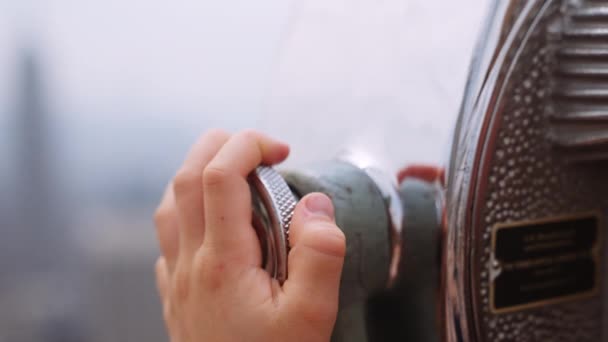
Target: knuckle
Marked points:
163	216
250	134
215	133
200	262
250	137
160	279
214	175
159	268
185	180
167	313
164	220
181	286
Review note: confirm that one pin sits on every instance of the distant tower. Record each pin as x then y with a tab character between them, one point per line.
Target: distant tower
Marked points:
38	278
37	228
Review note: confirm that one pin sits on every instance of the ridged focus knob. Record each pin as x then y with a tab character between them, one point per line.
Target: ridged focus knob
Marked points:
273	204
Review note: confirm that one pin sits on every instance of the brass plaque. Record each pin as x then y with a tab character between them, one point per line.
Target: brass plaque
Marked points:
544	262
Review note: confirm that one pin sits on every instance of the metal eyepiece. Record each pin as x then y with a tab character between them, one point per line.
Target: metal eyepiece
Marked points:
273	204
371	211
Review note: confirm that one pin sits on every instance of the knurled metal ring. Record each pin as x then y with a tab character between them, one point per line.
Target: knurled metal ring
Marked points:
273	205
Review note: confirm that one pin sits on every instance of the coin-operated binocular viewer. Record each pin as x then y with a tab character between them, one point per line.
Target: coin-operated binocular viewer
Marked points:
509	244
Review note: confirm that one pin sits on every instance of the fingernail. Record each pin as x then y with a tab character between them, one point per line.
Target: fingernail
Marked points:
321	205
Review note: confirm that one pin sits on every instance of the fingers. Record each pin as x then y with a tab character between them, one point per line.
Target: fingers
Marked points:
167	228
228	198
163	286
188	189
316	257
162	278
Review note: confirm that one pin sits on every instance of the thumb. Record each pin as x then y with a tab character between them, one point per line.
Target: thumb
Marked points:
316	257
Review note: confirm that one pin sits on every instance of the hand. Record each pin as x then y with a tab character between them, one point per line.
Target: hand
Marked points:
209	276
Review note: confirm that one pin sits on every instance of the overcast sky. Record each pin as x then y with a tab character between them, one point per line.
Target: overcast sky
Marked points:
319	73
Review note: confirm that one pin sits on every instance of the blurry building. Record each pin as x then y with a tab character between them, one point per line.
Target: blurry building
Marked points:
38	291
40	221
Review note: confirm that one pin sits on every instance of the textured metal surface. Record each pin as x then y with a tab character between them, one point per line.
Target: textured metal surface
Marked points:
273	205
579	110
496	46
527	180
281	196
508	164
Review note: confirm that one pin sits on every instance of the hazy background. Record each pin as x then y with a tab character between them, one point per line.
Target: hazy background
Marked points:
100	99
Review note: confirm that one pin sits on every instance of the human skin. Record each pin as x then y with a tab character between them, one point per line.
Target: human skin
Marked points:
209	274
